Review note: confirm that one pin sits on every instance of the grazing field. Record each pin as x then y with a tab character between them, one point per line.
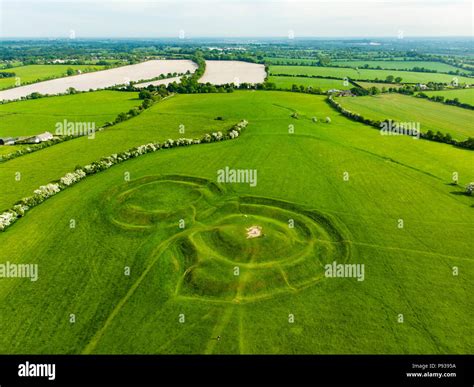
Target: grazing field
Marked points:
220	72
407	76
431	115
158	123
183	291
27	118
380	86
306	61
102	79
463	95
323	84
36	73
398	65
4	150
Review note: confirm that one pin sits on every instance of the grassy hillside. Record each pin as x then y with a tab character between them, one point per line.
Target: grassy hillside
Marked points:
463	95
307	61
36	73
158	123
32	117
407	76
324	84
380	86
190	271
431	115
398	65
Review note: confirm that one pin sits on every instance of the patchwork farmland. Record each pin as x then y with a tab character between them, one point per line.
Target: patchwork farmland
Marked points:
209	213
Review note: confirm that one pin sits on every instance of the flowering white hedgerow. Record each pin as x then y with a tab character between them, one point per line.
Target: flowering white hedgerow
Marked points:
217	136
45	191
6	219
73	177
20	209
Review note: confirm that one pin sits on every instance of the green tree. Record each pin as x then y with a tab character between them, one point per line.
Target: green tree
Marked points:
144	94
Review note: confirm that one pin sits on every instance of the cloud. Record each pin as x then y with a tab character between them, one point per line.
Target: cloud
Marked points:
164	18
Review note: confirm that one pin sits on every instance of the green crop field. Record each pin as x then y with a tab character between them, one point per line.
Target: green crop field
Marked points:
158	123
322	83
380	86
325	192
431	115
463	95
33	73
25	118
407	76
307	61
398	65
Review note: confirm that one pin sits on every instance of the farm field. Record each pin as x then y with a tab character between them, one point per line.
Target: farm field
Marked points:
27	118
431	115
35	73
398	65
157	123
102	79
407	76
380	86
324	84
190	271
306	61
228	71
4	150
463	95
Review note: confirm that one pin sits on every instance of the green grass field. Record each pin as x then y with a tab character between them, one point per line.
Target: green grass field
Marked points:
291	60
32	117
407	76
182	291
33	73
463	95
380	86
158	123
431	115
398	65
323	84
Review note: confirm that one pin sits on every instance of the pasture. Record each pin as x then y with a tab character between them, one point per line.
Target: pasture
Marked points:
463	95
182	291
431	115
398	65
324	84
338	72
380	86
27	118
157	123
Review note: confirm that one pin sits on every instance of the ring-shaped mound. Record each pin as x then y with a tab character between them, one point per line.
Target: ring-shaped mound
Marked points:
213	257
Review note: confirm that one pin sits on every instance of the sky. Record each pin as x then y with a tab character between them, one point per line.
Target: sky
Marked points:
235	18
